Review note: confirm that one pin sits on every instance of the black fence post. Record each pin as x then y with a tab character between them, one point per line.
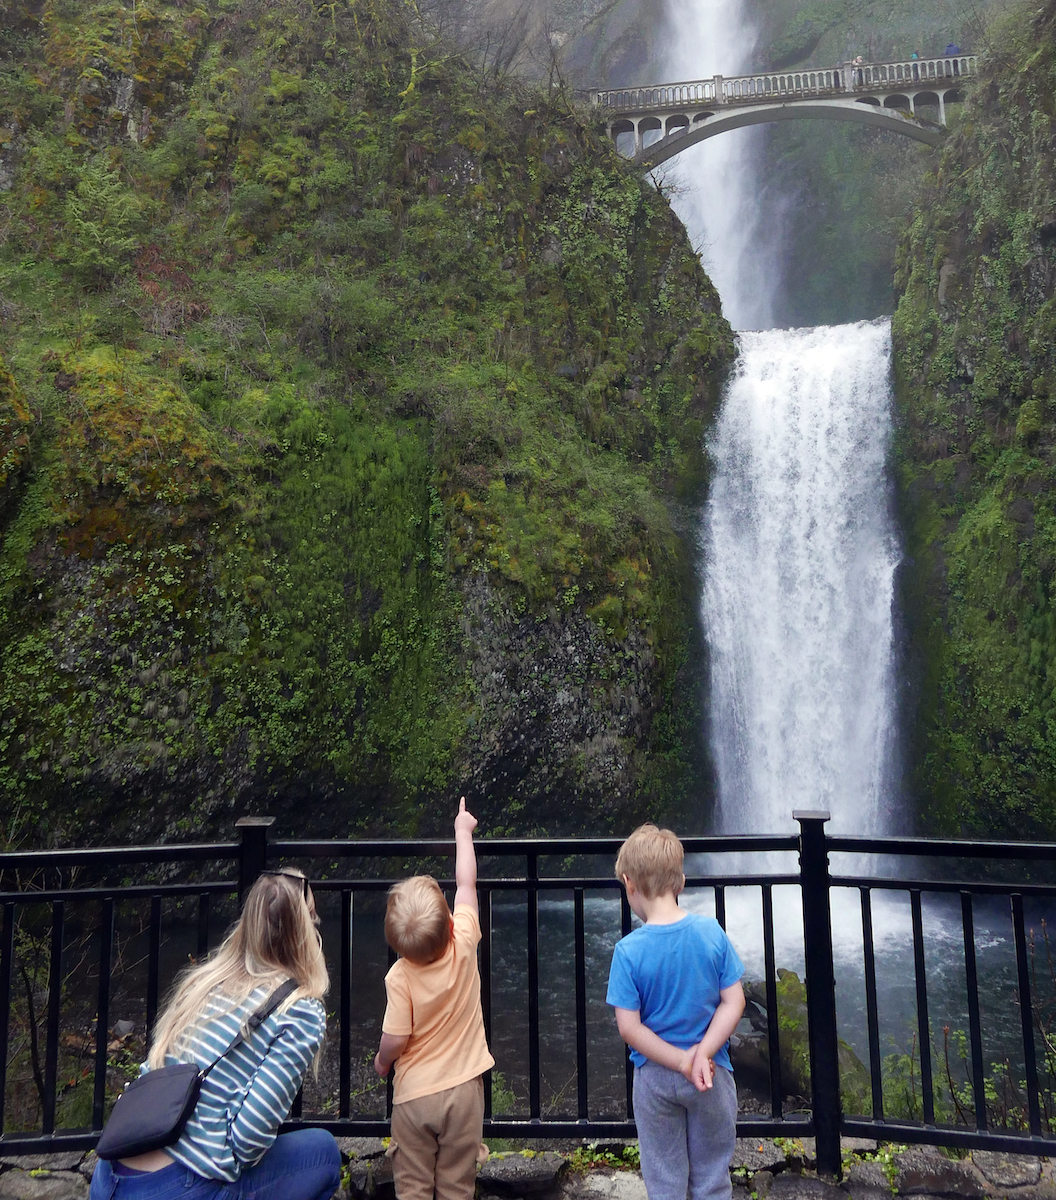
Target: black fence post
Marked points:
253	857
821	989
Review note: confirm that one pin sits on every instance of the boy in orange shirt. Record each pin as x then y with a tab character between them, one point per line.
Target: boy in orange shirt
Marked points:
433	1030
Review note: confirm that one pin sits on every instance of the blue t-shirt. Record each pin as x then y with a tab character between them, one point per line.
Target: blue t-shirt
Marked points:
672	976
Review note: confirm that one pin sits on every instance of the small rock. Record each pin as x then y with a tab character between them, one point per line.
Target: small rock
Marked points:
62	1185
122	1029
921	1174
756	1154
521	1175
620	1185
370	1179
740	1193
862	1175
361	1147
762	1182
1007	1170
788	1186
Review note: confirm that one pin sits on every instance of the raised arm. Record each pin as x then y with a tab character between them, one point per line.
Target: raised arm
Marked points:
465	858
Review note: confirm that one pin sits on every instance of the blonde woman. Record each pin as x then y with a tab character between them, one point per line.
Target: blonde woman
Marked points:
230	1146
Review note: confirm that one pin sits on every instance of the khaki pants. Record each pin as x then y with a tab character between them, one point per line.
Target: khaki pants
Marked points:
436	1140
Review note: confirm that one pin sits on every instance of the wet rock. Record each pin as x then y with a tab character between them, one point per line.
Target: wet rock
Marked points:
521	1175
57	1185
1007	1170
921	1174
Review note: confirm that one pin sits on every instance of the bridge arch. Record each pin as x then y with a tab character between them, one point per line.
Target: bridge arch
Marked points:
652	124
867	112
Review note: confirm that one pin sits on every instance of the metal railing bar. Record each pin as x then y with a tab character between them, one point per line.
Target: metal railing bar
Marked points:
11	860
7	952
119	892
102	1016
943	848
772	1022
203	924
950	886
720	903
871	1010
485	983
975	1036
347	953
51	1051
487	847
534	1099
927	1094
1026	1013
601	883
628	1066
939	1135
153	962
581	1006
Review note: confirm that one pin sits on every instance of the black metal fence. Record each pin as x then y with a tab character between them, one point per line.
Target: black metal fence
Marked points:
83	931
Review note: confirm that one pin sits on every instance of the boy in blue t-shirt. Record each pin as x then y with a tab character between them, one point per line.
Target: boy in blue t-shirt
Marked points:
676	986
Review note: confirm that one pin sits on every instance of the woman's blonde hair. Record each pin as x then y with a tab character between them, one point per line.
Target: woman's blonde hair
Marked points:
651	858
417	919
275	939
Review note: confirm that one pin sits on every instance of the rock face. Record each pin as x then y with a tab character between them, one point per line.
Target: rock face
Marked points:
377	485
976	453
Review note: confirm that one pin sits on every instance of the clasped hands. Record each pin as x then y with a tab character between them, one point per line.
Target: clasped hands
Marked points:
698	1068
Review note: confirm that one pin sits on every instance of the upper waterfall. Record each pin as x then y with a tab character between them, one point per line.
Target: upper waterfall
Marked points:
716	186
800	555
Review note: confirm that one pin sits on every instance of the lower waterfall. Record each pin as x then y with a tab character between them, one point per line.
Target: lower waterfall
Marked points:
800	553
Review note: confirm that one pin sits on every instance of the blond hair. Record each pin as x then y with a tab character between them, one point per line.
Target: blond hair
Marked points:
275	939
418	920
651	859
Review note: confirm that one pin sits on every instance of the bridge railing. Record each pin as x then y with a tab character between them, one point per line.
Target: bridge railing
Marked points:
846	78
90	940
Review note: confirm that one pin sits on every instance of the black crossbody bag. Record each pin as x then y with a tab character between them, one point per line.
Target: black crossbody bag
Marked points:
152	1111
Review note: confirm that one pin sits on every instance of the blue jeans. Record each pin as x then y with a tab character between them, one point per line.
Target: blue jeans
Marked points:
303	1165
686	1138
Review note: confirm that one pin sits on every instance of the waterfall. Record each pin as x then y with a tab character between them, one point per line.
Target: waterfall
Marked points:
800	553
716	188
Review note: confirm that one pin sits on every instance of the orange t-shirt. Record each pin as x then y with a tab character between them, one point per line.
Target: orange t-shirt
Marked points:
438	1007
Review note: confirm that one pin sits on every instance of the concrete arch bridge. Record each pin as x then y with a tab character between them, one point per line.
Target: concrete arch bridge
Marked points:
652	124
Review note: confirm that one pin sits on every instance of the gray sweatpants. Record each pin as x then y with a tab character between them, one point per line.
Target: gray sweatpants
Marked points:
686	1138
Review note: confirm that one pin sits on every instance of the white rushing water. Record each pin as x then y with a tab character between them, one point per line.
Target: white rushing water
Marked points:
800	555
717	184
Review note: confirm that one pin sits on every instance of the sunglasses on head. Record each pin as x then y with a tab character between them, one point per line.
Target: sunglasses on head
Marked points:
301	879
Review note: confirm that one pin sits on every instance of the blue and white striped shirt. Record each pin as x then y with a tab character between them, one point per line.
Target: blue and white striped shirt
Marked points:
248	1094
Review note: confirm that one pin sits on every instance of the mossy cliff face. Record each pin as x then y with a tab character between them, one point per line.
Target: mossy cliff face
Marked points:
975	339
348	407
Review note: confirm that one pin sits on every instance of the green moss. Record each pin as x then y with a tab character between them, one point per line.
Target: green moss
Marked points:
976	451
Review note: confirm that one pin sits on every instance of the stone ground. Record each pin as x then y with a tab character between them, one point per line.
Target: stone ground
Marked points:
761	1168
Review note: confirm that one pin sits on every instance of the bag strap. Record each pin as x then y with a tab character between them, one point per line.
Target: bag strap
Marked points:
255	1019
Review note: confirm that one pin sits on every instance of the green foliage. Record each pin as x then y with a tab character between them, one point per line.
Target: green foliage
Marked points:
321	335
973	334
